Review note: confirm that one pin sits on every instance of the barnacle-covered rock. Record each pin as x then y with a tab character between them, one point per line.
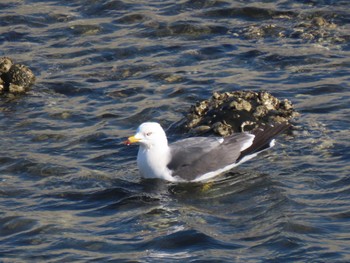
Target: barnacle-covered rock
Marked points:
14	78
309	27
237	111
5	64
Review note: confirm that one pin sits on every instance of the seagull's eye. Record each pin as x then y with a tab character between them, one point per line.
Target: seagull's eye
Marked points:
148	133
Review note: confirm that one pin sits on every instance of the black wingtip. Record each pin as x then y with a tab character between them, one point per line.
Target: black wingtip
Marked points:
264	134
271	129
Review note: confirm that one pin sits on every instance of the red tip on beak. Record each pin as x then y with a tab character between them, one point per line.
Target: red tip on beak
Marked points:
131	140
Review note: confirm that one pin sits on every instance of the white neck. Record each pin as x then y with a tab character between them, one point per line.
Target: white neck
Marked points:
152	160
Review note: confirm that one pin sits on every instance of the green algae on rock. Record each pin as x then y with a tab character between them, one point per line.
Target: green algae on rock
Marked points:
237	111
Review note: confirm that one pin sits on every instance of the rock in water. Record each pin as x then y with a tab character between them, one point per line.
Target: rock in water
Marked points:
5	64
14	78
237	111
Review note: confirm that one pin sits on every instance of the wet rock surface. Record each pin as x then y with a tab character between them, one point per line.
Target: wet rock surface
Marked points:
14	78
309	28
237	111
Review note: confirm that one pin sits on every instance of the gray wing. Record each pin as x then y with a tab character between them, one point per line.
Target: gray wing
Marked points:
196	156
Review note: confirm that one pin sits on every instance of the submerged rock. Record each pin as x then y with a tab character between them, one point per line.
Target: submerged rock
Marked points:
237	111
14	78
305	27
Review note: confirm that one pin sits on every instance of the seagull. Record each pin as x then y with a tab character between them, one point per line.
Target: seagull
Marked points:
197	159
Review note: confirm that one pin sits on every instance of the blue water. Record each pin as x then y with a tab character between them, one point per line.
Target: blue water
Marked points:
71	192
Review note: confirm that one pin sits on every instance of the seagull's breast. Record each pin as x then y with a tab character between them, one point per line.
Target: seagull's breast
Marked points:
153	162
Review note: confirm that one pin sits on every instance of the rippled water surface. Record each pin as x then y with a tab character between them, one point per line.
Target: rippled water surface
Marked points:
70	191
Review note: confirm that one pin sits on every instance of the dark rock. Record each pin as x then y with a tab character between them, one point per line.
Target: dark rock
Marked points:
14	78
307	27
5	64
237	111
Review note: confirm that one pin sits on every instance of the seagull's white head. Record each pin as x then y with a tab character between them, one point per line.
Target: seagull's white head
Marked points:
149	135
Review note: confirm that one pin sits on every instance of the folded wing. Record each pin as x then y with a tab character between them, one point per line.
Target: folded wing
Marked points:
196	156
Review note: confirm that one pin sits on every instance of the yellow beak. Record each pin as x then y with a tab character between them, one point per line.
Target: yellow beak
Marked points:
131	139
